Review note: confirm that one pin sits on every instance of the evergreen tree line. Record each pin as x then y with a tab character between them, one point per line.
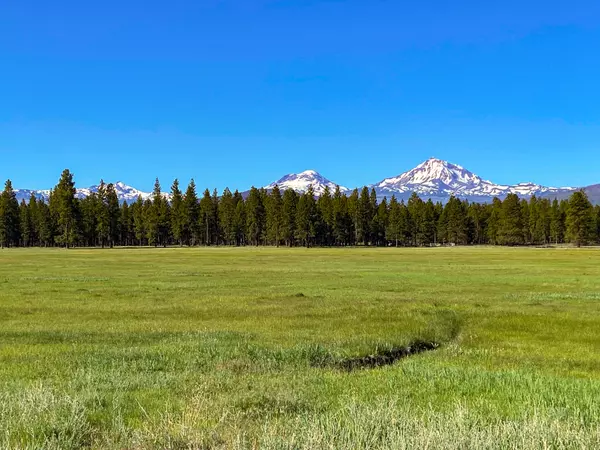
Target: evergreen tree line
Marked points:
287	218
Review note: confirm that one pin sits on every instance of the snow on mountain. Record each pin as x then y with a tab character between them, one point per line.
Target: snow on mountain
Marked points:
300	182
440	179
25	194
125	193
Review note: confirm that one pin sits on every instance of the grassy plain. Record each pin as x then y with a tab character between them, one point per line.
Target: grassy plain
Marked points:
236	348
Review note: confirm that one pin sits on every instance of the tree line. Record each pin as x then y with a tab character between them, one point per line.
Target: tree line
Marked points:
287	218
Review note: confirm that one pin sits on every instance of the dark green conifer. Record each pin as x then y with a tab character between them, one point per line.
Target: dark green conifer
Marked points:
274	216
557	223
227	217
511	223
580	219
255	217
178	216
191	227
306	218
9	217
114	215
63	206
289	204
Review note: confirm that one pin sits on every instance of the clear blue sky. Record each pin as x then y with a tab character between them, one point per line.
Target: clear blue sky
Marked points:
240	92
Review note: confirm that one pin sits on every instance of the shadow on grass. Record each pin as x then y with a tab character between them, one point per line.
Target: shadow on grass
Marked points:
381	357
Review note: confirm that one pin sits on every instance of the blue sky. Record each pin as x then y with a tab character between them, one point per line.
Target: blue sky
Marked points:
236	93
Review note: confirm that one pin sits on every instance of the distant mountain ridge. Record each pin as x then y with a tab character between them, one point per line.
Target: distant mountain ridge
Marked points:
434	178
125	193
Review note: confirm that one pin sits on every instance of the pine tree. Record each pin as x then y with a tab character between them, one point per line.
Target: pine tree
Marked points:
373	223
416	208
47	225
274	216
89	217
178	213
288	223
477	214
511	223
364	215
525	221
429	223
126	237
102	214
139	220
9	217
239	219
255	217
380	224
494	222
216	229
392	232
405	225
191	226
33	211
541	226
227	217
114	215
341	227
534	216
107	212
557	223
455	221
147	219
26	225
327	223
306	217
580	219
63	204
354	213
157	218
206	218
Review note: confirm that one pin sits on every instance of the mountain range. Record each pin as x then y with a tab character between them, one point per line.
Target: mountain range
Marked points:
125	193
434	178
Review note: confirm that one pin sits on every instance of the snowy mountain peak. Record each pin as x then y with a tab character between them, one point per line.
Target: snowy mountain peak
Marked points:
433	174
300	182
439	179
122	186
309	173
129	194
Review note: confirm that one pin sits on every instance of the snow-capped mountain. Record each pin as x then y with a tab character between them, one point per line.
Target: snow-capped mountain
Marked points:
439	179
300	182
125	193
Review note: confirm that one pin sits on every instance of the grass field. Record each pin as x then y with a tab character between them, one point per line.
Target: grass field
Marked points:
242	348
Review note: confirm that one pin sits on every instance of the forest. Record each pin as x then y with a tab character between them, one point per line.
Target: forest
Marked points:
287	218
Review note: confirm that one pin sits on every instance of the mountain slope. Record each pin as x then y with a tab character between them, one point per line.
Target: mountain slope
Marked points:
438	179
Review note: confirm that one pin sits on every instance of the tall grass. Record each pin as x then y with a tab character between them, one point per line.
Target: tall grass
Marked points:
390	425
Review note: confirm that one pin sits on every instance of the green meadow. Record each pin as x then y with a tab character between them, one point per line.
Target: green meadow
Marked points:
248	347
